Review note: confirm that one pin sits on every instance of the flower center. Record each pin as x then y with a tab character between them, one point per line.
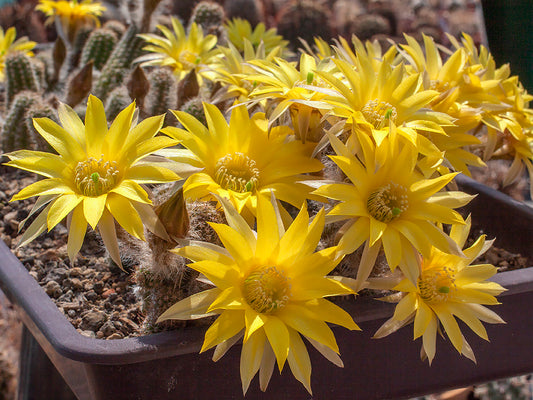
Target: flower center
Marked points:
379	113
95	177
387	202
266	289
188	59
237	172
437	284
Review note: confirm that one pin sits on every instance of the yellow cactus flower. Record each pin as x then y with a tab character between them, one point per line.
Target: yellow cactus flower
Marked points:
448	287
231	69
71	15
179	51
243	159
287	88
389	205
375	93
8	45
270	290
239	30
95	177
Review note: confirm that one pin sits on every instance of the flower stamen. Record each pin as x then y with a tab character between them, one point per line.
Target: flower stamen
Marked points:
95	177
266	289
437	284
237	172
379	113
387	202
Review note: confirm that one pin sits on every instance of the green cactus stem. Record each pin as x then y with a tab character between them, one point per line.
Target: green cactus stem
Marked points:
117	100
98	47
162	93
20	76
119	62
15	134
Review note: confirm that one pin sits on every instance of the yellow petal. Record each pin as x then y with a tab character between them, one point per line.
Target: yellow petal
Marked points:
93	207
192	307
406	307
451	327
293	317
429	339
234	242
61	207
267	230
354	237
106	227
325	310
126	215
423	317
251	355
254	321
42	188
95	127
76	232
150	173
221	275
119	129
131	190
227	325
299	361
59	139
72	123
278	336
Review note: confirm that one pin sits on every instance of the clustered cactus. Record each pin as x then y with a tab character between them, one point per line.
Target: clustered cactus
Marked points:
222	202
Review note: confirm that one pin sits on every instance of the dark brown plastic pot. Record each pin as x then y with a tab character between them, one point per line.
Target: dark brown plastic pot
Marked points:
167	365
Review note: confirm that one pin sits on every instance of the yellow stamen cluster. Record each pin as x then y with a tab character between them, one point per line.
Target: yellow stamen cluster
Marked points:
387	202
437	284
266	289
188	59
95	177
379	113
237	172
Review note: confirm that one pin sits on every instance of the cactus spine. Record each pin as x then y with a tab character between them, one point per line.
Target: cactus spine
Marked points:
98	47
15	132
19	76
119	62
162	94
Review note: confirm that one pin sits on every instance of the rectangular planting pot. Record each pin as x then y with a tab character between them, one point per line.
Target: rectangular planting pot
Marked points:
167	365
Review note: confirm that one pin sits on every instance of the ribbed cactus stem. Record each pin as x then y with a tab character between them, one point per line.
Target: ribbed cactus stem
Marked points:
38	110
195	108
98	47
75	50
117	100
119	62
162	94
19	76
15	133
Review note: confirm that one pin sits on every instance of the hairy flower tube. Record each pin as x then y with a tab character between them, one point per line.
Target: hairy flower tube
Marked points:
8	45
389	205
448	287
71	15
95	177
179	51
270	289
242	159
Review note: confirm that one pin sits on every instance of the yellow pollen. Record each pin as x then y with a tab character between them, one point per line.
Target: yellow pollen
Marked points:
379	113
237	172
387	202
266	289
188	59
437	285
95	177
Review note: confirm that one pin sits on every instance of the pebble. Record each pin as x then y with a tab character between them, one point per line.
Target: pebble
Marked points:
116	335
52	288
93	320
108	328
89	334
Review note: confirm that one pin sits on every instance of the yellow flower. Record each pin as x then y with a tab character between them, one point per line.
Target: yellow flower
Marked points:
286	87
231	69
376	93
239	30
455	99
448	287
179	51
96	175
270	290
242	160
71	14
8	45
387	203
